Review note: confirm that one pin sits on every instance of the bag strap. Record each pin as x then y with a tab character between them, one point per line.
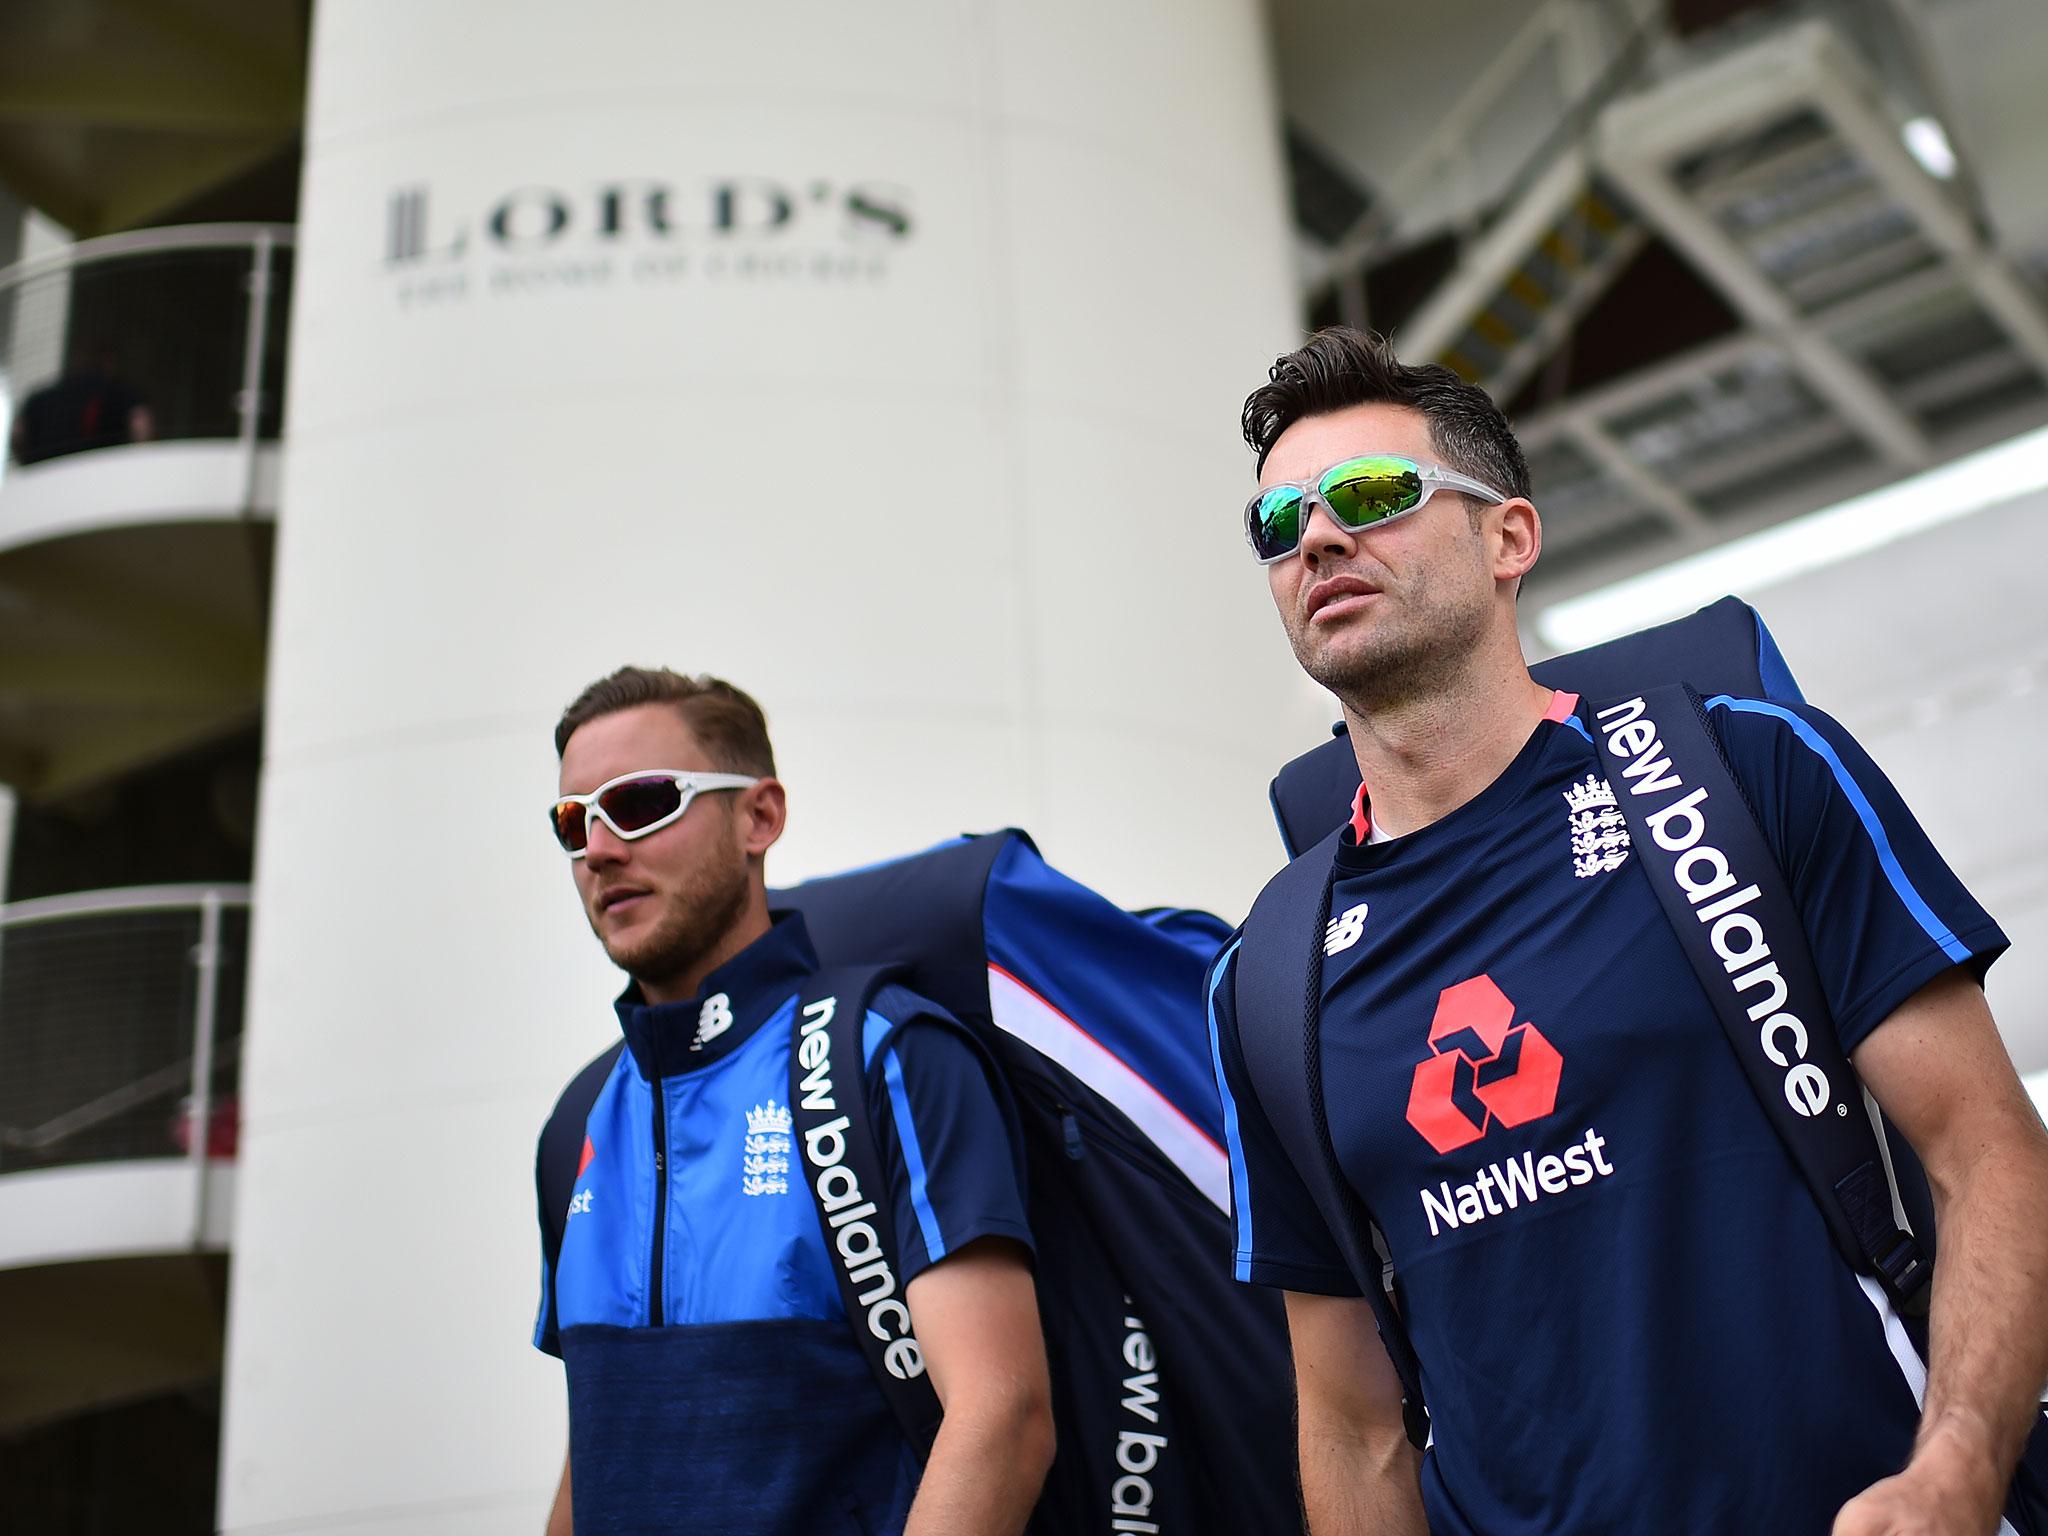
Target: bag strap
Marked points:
1696	836
1279	991
840	1163
561	1145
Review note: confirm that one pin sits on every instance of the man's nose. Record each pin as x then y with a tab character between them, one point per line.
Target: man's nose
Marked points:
1322	535
602	847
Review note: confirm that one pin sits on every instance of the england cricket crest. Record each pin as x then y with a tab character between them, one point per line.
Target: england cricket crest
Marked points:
764	1169
1599	835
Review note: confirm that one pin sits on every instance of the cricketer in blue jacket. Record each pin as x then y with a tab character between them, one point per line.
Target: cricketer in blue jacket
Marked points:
715	1381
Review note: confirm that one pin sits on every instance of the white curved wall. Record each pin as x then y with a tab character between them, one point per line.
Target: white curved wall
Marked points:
917	418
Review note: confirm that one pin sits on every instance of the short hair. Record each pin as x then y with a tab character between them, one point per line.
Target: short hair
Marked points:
727	723
1339	367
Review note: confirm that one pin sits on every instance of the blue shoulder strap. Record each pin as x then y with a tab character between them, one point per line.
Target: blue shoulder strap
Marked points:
1280	988
1697	838
841	1165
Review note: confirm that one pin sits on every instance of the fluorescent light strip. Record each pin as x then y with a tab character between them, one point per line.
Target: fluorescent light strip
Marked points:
1987	478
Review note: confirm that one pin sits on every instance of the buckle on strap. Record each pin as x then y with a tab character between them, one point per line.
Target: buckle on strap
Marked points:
1895	1257
1905	1270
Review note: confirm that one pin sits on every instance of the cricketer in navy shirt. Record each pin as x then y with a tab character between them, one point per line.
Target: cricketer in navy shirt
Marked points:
1628	1310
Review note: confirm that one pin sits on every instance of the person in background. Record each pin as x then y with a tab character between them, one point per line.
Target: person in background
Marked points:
88	406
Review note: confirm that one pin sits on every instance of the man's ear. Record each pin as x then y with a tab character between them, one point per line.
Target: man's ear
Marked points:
1518	538
762	813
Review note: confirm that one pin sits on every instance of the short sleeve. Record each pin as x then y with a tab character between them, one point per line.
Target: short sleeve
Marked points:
1884	914
946	1131
1280	1237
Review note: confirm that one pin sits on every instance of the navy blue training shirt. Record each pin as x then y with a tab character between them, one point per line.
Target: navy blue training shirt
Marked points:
1627	1308
729	1393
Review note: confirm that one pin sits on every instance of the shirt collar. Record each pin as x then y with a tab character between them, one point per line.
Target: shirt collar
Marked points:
1561	708
734	1001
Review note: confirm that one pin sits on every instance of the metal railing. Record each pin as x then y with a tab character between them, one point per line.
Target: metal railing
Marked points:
156	334
121	1025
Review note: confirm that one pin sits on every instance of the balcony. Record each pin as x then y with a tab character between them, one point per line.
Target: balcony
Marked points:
120	1032
151	363
141	386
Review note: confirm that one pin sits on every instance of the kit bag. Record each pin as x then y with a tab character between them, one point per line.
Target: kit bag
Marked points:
1172	1383
1641	701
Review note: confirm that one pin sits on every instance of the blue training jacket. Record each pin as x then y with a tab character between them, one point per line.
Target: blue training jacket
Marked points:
714	1379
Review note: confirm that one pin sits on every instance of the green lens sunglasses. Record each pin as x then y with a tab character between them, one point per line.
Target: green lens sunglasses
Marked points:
1359	493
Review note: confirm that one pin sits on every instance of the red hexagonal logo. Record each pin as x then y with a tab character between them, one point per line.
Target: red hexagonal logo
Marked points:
1486	1068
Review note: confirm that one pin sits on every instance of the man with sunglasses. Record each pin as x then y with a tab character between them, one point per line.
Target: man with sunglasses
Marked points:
715	1382
1628	1311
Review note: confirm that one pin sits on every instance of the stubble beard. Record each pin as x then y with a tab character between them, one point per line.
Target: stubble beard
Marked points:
1411	657
696	920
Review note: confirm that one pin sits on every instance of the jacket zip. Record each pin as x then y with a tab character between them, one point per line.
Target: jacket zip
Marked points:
660	1117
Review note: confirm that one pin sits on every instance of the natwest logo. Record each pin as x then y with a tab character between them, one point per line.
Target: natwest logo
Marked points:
1486	1068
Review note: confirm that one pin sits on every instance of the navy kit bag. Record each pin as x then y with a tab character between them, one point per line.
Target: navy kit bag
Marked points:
1171	1382
1641	693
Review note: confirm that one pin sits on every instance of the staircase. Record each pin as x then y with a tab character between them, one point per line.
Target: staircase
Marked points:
1529	280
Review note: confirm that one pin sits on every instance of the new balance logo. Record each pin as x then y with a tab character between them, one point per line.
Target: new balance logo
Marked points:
713	1020
1344	930
1486	1068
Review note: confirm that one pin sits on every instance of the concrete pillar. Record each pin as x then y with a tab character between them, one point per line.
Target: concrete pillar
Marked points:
883	359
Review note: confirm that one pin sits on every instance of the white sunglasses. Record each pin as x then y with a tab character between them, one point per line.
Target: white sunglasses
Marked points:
634	804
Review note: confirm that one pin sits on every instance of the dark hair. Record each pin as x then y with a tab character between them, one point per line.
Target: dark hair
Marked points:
726	722
1339	367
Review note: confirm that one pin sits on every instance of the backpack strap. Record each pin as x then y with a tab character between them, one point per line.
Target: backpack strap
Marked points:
1279	996
561	1146
1697	838
840	1163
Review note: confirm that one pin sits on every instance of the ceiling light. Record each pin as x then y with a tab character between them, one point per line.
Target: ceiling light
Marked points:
1929	144
1970	484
